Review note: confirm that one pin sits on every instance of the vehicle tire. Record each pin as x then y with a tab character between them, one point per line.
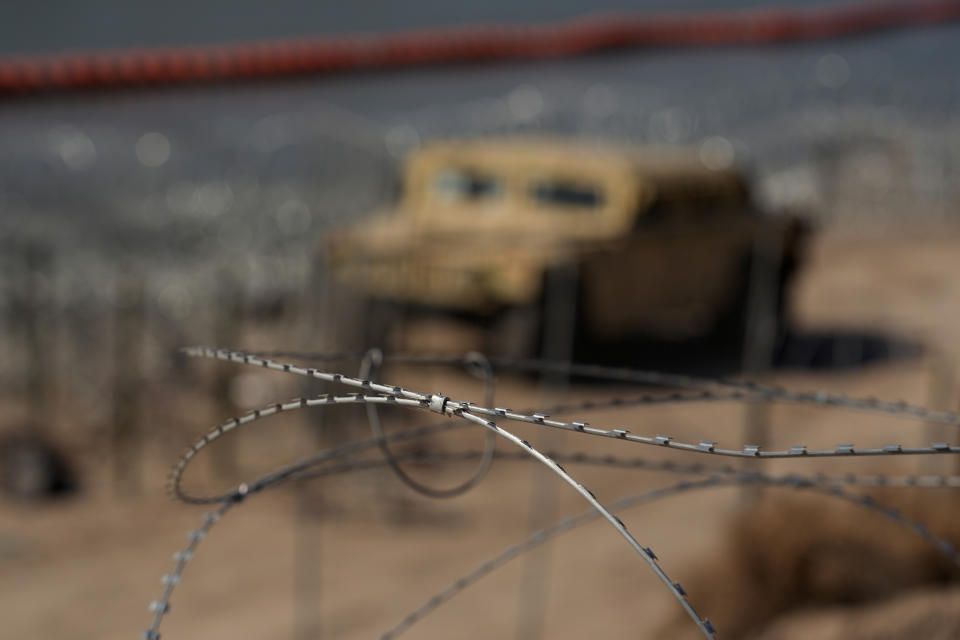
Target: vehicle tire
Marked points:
515	332
730	333
379	323
562	321
354	322
549	327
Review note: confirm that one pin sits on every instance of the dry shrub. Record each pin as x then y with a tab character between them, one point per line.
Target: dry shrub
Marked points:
923	614
784	553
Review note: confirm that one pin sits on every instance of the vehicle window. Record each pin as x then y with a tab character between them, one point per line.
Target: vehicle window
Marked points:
568	195
464	184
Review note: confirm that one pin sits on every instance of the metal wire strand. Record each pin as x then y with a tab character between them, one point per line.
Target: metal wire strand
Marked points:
302	468
161	606
816	482
443	406
471	413
175	478
750	390
873	480
178	469
645	553
704	446
369	368
540	537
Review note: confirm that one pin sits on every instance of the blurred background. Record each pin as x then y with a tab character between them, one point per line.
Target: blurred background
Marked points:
141	216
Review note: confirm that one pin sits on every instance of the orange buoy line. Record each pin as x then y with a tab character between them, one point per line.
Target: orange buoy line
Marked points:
142	67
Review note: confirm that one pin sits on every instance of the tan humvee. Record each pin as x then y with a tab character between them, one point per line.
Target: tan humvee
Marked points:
660	244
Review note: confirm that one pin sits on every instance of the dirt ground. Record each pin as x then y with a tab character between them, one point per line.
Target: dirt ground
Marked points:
348	557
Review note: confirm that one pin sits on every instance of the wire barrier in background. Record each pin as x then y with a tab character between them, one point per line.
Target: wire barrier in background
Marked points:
464	44
342	459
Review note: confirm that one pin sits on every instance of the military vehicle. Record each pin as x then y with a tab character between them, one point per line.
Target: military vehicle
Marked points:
650	242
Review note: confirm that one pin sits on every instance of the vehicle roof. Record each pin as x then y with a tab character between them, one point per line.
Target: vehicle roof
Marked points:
667	167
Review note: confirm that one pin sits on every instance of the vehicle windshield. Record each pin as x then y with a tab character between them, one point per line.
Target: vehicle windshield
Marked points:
567	195
466	184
